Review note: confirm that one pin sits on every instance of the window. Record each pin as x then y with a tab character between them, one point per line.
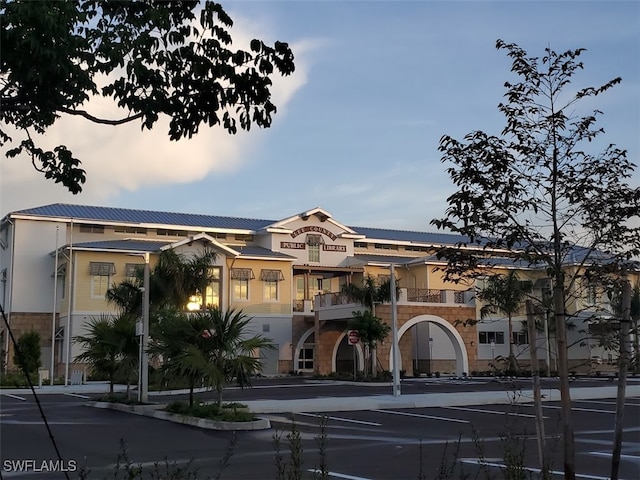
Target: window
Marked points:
314	253
385	246
130	229
488	338
240	278
164	232
133	271
360	244
314	240
243	238
270	279
520	338
305	359
101	273
89	228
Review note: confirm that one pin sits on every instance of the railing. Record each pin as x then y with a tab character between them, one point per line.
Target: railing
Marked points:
459	297
424	295
336	298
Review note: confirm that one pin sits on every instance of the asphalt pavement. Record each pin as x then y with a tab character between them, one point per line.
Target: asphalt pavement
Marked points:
368	396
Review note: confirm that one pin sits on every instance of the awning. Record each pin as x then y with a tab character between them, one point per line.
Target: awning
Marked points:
103	269
242	274
314	239
271	275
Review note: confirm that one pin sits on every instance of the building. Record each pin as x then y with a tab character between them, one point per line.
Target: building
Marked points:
57	262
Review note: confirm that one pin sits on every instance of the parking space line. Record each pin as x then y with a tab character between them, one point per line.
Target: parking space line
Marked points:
15	396
479	461
493	412
76	395
315	471
608	455
578	409
419	415
339	419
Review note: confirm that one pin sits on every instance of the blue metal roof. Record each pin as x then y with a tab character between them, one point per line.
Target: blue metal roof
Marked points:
127	245
251	251
125	215
195	221
409	236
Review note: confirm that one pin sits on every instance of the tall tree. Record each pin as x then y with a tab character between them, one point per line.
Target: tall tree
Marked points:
539	192
152	58
506	294
210	348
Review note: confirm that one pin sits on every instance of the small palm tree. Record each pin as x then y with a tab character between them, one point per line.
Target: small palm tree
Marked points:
504	293
110	347
367	295
210	348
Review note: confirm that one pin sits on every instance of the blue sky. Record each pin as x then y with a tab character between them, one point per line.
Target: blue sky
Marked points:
377	84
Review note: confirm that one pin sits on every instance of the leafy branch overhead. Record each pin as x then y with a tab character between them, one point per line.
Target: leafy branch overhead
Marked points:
152	58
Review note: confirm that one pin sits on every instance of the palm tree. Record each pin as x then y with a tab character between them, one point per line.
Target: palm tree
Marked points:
210	348
370	329
370	293
504	293
110	347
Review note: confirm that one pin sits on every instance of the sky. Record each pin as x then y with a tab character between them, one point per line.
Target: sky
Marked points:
377	84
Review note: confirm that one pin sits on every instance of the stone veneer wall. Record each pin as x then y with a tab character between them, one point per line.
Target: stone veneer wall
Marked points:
453	315
25	322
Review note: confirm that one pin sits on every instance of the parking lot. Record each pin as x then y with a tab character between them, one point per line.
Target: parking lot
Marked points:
360	445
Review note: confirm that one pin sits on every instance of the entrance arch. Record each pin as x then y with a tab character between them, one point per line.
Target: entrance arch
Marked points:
334	354
462	359
299	347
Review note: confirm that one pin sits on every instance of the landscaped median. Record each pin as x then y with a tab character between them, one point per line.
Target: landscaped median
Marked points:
156	411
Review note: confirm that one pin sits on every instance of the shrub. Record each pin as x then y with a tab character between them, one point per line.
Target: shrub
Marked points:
229	412
29	346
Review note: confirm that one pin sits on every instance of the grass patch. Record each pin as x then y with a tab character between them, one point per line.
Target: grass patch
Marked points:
229	412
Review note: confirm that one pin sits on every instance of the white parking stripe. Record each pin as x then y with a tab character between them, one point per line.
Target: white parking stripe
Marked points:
15	396
608	455
418	415
479	461
338	475
342	419
578	409
493	412
76	395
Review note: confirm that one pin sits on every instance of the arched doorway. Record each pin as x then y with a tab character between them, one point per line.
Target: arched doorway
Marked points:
343	356
303	353
462	359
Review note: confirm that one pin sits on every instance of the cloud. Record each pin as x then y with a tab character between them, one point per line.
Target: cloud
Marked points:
124	158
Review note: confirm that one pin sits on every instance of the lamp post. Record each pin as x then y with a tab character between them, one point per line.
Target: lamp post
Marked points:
394	331
143	374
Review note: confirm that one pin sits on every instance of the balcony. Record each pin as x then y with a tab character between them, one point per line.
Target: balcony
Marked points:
333	306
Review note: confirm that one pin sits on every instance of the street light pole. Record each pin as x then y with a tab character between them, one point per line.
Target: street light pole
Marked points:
394	331
144	364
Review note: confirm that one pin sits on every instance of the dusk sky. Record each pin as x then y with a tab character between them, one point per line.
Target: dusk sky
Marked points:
377	84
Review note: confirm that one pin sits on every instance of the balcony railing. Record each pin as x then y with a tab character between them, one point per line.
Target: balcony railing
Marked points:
424	295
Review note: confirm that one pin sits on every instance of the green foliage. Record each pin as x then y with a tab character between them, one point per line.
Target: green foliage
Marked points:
13	379
371	329
110	348
153	59
29	347
211	348
228	412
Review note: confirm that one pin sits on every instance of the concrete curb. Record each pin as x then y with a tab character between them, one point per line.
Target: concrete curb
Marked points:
154	412
504	397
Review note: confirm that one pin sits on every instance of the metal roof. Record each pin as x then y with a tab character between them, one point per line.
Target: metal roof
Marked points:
251	251
123	245
409	236
194	221
125	215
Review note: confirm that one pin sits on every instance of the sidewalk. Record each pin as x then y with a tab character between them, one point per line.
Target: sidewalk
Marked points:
372	402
